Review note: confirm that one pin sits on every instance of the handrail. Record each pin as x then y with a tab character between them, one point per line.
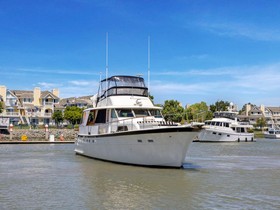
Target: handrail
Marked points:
132	123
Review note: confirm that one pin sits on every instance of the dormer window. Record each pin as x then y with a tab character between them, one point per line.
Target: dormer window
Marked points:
27	100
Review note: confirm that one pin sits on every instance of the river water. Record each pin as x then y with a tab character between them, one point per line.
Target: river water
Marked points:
216	176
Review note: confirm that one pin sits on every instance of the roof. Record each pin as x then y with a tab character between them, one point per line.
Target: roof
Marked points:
30	94
255	109
45	94
23	93
274	109
74	100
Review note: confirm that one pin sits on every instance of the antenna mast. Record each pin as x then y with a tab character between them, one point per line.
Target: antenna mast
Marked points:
106	65
149	64
106	55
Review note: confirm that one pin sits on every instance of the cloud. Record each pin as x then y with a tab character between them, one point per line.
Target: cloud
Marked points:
242	30
60	71
80	83
239	81
200	72
194	57
46	85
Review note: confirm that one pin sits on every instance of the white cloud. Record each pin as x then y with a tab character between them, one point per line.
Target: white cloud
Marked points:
80	83
242	30
46	85
60	71
256	84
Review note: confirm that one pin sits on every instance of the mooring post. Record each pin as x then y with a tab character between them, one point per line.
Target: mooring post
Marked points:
11	131
47	131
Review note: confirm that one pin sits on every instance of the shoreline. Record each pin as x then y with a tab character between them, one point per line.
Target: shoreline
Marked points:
36	142
39	135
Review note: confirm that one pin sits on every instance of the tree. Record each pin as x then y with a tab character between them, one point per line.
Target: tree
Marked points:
73	114
219	106
151	97
244	107
57	117
1	106
261	122
173	111
198	112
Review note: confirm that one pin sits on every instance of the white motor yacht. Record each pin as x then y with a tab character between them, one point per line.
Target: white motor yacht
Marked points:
125	127
222	129
272	133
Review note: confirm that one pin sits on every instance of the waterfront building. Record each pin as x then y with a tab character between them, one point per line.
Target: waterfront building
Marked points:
81	102
36	107
29	107
252	113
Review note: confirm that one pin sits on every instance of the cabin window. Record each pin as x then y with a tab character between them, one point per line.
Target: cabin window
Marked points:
156	113
91	117
113	113
124	112
212	123
141	112
101	116
242	130
226	124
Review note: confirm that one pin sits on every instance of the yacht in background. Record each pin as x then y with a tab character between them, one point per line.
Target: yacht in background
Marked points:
224	127
272	133
125	127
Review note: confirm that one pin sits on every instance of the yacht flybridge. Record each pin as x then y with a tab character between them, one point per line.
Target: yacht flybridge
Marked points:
125	127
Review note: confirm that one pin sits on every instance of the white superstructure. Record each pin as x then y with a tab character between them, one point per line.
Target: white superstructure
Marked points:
222	129
126	127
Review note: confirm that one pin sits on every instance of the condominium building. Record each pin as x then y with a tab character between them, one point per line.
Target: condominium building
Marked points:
253	113
29	107
35	107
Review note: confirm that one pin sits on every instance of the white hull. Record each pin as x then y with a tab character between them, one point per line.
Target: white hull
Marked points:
215	135
151	147
271	136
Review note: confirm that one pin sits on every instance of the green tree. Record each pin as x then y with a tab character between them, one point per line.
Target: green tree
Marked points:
173	111
198	112
57	117
219	106
1	106
151	97
244	107
73	114
261	122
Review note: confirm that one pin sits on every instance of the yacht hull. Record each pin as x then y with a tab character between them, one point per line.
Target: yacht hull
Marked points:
271	136
161	147
213	135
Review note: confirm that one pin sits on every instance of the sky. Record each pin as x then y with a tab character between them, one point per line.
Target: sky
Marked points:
200	50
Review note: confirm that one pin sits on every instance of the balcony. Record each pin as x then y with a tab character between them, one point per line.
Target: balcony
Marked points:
47	114
10	114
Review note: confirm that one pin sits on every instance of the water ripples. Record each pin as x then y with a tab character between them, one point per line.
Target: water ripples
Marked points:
215	176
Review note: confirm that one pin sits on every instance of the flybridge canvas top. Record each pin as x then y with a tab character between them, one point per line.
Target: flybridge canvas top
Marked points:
122	85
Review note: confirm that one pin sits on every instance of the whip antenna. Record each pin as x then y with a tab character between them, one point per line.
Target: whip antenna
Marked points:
149	65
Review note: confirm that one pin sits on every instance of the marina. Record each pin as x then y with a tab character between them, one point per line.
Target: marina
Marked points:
215	176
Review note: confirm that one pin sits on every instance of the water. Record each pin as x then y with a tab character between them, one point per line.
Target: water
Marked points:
215	176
